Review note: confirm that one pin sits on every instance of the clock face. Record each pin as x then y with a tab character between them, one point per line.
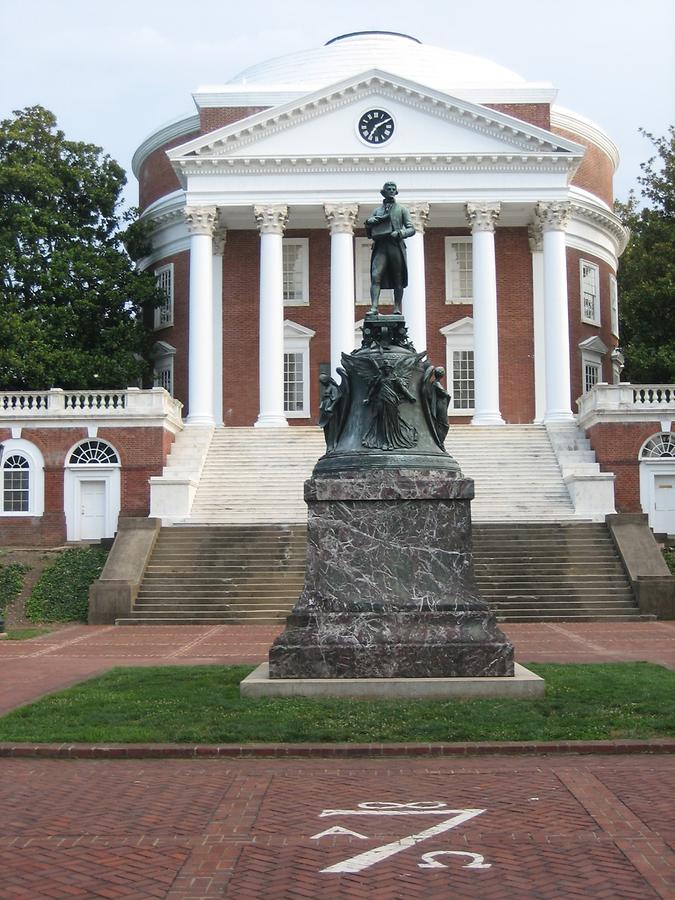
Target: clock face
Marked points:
376	126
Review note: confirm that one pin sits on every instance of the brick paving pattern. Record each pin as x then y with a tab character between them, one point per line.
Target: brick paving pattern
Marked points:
552	827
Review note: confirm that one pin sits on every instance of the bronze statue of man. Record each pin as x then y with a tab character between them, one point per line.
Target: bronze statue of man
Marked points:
388	227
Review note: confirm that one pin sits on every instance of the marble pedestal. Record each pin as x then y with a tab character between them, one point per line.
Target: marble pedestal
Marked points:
389	587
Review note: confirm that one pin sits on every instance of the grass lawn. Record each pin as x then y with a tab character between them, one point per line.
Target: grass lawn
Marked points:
26	634
201	704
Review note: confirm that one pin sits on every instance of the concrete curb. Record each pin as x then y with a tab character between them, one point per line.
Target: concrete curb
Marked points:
329	751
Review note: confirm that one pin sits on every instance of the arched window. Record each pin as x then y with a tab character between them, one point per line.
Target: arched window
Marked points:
16	483
21	479
94	452
660	446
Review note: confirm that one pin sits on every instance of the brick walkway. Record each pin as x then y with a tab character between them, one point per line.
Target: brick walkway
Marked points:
548	827
516	826
29	669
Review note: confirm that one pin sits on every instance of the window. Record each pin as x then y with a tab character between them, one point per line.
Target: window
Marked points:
362	251
93	452
296	370
460	366
295	255
590	295
592	375
458	270
16	484
614	305
660	446
162	355
294	382
164	313
21	479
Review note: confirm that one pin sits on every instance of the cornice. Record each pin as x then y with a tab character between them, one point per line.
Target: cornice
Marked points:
481	119
585	128
607	221
165	133
478	162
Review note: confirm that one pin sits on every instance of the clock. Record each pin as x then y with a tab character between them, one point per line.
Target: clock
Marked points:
376	126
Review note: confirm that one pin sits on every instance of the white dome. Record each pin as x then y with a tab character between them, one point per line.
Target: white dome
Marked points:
399	54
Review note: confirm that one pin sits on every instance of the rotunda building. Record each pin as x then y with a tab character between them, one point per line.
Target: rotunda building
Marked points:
258	202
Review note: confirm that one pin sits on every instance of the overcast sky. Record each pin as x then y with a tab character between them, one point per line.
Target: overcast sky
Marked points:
112	72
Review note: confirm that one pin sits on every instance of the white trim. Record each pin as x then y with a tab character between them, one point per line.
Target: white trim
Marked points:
36	477
595	319
174	128
585	128
450	298
649	469
74	475
303	245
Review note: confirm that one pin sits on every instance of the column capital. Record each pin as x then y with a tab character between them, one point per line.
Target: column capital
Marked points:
535	235
200	219
553	216
271	219
341	217
419	213
219	240
482	216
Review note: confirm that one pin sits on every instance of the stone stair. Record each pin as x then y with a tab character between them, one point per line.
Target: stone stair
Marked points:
547	572
255	475
254	574
221	575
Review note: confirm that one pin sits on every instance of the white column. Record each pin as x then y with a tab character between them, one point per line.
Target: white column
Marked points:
219	238
536	239
482	217
200	223
554	218
271	222
415	295
341	218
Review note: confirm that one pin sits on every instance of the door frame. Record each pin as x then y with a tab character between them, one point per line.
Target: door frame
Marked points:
73	478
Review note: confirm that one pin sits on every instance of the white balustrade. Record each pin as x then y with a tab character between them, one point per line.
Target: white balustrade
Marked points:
66	405
627	403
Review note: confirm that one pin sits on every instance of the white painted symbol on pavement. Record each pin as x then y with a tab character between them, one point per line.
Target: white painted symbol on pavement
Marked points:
338	829
453	818
477	861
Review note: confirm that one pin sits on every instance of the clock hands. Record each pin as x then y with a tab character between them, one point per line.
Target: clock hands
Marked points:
377	125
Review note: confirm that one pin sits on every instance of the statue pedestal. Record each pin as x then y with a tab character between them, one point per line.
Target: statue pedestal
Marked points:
389	587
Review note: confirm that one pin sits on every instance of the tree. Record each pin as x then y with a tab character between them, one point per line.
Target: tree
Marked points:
646	276
73	304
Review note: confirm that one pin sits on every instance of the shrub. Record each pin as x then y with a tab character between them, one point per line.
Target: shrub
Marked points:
669	556
62	591
11	583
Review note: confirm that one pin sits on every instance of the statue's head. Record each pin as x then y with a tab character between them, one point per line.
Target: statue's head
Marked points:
324	379
389	189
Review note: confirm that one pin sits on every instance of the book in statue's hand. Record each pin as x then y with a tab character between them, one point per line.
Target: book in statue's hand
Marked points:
382	228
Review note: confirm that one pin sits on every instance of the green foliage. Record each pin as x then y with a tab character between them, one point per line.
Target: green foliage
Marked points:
202	704
73	304
26	634
62	591
11	583
646	276
669	556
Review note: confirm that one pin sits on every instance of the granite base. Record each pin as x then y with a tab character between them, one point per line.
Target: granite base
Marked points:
522	685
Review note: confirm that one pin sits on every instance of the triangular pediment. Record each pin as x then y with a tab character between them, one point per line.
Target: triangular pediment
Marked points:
324	126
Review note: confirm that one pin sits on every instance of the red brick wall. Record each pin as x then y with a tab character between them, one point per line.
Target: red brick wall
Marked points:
155	176
538	114
595	172
580	331
616	448
177	334
217	118
142	451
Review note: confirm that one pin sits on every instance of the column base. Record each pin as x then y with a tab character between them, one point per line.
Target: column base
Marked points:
488	418
271	421
200	420
559	415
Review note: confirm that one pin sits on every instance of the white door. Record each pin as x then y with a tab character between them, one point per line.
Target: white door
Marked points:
664	503
92	510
